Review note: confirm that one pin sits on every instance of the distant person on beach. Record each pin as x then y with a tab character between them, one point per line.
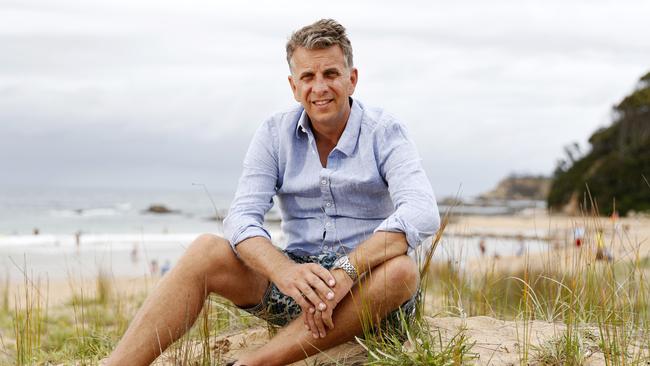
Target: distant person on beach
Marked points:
134	253
601	252
77	240
153	267
522	245
481	246
35	231
165	267
353	198
615	222
578	234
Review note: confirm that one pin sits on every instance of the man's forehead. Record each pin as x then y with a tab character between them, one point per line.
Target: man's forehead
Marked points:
331	57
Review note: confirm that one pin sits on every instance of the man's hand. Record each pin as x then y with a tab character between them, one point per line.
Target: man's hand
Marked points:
310	285
322	318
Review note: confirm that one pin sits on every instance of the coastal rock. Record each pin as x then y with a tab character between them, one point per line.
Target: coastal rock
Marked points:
524	187
160	209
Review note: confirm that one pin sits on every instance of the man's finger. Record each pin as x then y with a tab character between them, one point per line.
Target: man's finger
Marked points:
318	319
323	290
312	296
324	274
327	319
297	296
309	315
308	310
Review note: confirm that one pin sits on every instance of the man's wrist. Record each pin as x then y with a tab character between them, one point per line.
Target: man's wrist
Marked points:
342	279
344	264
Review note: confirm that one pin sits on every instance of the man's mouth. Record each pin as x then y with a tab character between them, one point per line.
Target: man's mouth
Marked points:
322	102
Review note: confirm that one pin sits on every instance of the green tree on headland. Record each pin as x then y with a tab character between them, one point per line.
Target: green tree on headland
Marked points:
615	174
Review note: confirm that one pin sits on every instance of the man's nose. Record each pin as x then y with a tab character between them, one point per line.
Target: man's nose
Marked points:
320	85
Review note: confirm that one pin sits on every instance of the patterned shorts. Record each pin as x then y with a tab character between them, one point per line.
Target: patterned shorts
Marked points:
280	309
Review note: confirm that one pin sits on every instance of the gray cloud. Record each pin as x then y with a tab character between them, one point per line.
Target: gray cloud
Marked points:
161	93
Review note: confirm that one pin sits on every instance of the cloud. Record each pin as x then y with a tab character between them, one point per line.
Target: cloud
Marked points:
121	92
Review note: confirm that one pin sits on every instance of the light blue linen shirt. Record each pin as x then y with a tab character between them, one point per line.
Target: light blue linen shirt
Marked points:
373	181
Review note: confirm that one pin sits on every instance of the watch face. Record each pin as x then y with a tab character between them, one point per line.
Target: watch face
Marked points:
338	262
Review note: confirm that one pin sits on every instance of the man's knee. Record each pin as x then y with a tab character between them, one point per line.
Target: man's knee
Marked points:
207	252
209	241
402	272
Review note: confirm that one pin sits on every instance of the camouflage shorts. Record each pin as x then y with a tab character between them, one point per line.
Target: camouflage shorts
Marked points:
280	309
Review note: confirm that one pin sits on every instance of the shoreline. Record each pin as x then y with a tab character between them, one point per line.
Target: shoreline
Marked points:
458	239
495	334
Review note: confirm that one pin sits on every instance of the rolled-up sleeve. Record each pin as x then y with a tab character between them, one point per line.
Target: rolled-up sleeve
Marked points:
256	188
416	211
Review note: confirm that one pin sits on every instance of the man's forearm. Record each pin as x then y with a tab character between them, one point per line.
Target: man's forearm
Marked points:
262	256
377	249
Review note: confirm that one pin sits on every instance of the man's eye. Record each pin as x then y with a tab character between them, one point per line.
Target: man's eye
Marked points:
307	78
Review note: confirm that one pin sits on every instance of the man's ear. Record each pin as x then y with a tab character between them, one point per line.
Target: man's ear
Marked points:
294	88
354	77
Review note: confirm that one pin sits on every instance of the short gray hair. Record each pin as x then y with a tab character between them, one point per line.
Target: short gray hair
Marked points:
322	34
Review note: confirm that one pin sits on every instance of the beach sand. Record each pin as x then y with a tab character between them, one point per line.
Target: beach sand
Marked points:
626	239
497	341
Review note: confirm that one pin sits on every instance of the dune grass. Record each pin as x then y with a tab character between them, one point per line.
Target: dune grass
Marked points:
603	307
609	300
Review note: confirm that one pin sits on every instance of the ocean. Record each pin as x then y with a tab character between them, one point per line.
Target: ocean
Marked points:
57	232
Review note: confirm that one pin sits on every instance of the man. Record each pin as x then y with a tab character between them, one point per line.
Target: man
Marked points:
354	200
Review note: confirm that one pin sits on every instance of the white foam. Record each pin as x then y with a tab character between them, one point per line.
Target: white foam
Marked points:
124	241
50	242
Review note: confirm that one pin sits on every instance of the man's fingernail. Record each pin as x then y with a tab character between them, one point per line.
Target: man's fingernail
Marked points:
332	283
330	295
315	335
312	310
322	335
306	327
321	306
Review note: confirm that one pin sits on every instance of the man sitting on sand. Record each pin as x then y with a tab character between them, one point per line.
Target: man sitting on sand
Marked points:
354	199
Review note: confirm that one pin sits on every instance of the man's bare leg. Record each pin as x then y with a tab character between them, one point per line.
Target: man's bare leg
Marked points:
208	265
391	284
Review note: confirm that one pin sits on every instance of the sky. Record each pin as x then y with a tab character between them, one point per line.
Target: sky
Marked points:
143	93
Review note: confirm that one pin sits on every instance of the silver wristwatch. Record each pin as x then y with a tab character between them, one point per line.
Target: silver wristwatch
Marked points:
344	264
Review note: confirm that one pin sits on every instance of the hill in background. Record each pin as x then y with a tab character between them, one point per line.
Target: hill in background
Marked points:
614	175
520	187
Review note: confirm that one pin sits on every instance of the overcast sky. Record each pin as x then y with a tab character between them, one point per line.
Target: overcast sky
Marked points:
164	93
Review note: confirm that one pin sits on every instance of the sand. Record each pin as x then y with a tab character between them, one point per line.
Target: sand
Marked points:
629	238
496	342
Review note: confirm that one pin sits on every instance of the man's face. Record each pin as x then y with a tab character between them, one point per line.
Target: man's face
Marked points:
322	83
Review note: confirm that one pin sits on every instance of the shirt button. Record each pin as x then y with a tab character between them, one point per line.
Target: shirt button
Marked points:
328	224
328	204
323	182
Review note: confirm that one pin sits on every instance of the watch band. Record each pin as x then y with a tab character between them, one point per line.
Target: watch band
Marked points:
344	264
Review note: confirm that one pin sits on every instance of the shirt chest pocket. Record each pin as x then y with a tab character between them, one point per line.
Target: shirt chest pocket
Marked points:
361	195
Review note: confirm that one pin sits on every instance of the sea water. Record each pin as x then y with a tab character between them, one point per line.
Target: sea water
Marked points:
60	232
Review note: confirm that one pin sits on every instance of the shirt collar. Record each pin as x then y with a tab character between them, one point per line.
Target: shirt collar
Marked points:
348	141
303	124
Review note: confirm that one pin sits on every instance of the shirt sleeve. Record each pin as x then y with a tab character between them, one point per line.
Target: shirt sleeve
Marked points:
416	211
256	188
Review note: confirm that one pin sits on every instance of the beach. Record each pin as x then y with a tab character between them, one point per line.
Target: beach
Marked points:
112	255
512	244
